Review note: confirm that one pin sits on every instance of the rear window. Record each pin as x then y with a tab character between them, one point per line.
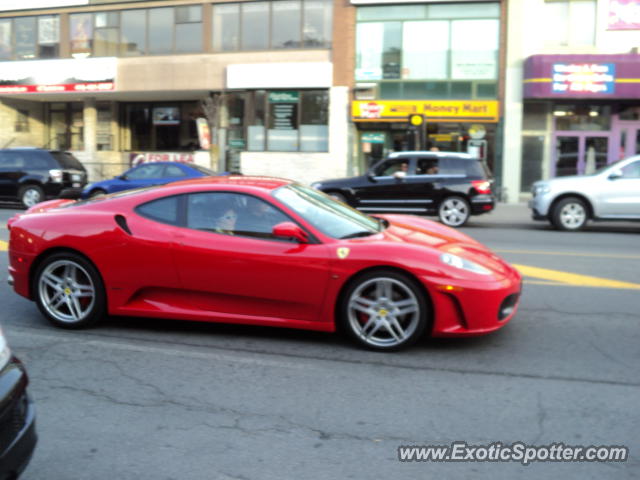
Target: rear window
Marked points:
67	161
468	168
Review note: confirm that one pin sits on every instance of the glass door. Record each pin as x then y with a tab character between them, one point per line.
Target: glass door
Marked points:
579	153
629	143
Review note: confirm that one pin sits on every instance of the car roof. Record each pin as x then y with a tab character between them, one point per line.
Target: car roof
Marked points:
188	164
413	153
266	183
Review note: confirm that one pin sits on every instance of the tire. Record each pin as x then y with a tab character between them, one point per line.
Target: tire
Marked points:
97	192
69	291
384	310
338	197
454	211
569	214
30	195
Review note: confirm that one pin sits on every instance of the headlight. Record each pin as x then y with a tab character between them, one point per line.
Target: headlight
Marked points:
540	189
463	264
5	353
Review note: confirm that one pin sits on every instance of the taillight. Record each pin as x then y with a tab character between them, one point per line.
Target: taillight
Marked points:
56	175
481	186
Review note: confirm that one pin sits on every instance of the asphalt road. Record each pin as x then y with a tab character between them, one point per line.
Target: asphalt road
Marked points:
147	399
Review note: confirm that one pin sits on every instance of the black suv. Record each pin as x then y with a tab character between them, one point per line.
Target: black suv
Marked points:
32	175
451	185
17	415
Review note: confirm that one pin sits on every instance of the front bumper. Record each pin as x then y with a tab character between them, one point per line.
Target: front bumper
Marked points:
17	421
470	308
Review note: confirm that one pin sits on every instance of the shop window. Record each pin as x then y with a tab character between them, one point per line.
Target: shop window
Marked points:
629	112
582	117
534	116
569	22
26	38
272	25
289	121
22	121
66	126
435	44
133	32
160	126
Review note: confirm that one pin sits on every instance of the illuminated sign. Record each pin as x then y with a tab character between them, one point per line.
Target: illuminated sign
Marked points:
438	110
583	78
90	75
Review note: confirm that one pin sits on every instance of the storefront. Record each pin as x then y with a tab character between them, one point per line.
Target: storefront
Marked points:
446	125
581	112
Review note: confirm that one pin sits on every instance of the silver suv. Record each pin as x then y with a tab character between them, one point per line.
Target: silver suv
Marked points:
612	193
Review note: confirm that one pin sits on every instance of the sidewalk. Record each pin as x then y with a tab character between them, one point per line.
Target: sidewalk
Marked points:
511	213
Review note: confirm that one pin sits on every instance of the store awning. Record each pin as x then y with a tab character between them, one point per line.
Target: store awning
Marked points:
582	76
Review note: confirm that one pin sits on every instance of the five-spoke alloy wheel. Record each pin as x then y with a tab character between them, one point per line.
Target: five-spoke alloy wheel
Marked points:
31	195
69	291
454	211
384	310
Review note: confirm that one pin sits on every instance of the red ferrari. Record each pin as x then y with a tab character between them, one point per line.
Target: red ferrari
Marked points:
261	251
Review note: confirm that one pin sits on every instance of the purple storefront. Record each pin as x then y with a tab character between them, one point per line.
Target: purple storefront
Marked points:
581	112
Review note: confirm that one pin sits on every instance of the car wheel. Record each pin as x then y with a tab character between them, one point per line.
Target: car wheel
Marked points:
69	291
569	214
338	197
97	192
384	310
454	211
31	195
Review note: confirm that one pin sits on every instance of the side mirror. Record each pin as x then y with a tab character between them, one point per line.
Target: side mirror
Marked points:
371	175
290	230
615	175
400	175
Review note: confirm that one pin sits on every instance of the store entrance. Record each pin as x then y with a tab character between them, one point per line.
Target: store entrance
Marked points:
628	140
579	153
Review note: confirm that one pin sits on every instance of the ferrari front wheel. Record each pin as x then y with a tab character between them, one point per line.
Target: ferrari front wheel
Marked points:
69	291
384	310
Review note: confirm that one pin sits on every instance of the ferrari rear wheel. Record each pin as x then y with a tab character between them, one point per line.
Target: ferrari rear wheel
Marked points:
384	310
69	291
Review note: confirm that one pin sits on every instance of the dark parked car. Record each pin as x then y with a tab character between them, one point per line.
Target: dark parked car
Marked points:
31	175
147	175
451	185
17	416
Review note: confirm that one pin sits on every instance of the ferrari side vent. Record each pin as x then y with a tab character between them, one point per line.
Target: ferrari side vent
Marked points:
122	223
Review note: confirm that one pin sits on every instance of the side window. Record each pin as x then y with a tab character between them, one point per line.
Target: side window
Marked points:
173	171
146	171
4	160
12	160
631	171
428	166
232	214
164	210
38	161
390	167
454	166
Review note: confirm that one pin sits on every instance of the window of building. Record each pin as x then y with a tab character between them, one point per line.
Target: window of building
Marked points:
569	22
22	121
66	126
104	137
272	25
160	126
446	50
154	31
26	38
582	117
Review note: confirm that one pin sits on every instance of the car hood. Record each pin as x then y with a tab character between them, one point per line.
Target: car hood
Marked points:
434	238
562	182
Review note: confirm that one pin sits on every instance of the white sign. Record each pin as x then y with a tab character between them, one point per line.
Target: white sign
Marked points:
280	75
6	6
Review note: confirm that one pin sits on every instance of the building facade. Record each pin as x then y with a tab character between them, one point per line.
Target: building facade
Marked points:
573	88
118	82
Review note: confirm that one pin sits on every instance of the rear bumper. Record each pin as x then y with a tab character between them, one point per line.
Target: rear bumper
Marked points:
17	421
482	204
468	308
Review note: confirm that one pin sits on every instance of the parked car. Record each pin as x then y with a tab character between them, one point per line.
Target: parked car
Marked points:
32	175
147	175
451	185
259	251
17	415
568	203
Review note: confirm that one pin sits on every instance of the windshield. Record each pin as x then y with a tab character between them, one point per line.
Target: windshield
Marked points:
328	216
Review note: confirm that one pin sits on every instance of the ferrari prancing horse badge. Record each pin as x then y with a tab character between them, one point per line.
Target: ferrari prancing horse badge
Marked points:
343	252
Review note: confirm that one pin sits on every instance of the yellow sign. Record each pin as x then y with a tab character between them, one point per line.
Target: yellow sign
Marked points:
343	252
477	111
416	119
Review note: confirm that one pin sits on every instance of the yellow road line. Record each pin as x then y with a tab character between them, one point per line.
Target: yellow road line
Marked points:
571	254
573	278
3	245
